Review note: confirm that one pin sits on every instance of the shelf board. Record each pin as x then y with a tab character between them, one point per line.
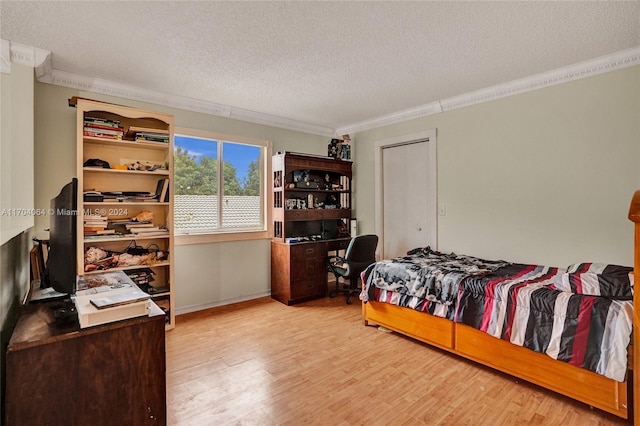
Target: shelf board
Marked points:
124	238
125	203
134	172
129	268
125	143
328	191
295	215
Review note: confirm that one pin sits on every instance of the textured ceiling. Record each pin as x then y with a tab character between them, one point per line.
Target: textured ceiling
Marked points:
324	63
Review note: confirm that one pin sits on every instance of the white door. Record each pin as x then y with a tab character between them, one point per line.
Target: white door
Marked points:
409	204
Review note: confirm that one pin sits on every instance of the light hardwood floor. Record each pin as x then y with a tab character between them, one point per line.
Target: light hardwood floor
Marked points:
264	363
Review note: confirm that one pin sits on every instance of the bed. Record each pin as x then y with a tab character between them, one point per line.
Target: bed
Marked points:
568	329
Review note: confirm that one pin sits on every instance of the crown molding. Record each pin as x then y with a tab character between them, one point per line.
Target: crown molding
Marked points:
393	118
614	61
41	61
105	87
618	60
22	54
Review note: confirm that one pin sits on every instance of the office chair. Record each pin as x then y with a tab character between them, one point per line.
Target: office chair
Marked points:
360	253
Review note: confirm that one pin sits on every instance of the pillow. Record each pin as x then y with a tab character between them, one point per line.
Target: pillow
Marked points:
598	279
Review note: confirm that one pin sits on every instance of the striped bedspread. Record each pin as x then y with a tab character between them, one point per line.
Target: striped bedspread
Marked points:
518	303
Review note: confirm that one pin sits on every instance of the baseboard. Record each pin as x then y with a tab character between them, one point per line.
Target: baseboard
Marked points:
194	308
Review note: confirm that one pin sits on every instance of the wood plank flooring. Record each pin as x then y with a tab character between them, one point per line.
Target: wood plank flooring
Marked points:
264	363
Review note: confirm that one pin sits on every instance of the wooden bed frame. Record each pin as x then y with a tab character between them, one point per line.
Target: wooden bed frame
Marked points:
566	379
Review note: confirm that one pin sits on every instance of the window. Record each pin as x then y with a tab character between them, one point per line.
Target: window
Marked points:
219	183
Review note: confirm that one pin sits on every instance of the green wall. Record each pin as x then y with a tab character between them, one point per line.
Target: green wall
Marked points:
205	274
541	177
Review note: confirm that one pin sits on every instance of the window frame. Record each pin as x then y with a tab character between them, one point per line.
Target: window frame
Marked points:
222	235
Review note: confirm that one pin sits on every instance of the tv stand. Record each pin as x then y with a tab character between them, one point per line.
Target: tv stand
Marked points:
104	375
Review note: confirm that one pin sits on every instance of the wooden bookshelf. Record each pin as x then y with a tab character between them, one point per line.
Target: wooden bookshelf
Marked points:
121	150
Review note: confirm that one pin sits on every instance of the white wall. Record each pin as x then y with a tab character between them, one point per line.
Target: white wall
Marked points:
542	177
205	274
16	192
16	151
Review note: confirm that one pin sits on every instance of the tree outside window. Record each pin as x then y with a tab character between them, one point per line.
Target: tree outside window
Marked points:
201	204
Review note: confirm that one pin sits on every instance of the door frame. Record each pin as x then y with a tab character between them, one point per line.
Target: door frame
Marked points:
428	136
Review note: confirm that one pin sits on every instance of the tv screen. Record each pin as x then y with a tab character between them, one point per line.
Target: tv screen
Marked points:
61	260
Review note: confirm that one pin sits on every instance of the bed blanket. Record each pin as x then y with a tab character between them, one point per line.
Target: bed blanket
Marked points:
514	302
522	307
425	274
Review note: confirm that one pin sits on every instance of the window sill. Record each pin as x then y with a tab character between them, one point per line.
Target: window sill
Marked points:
220	237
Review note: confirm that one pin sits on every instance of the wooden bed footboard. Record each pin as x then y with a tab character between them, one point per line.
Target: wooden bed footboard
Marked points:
566	379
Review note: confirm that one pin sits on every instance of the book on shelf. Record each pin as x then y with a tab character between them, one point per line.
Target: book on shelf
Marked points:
152	137
92	125
98	231
115	236
138	225
144	229
103	130
94	226
132	131
101	135
102	122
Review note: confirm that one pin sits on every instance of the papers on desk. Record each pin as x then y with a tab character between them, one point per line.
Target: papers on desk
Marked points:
42	294
107	303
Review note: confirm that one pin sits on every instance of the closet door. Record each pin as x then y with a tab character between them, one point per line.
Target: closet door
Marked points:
408	202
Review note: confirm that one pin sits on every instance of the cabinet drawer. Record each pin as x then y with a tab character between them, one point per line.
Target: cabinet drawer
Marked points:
308	251
311	286
305	269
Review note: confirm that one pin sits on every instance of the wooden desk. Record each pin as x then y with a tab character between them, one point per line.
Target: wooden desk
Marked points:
299	270
104	375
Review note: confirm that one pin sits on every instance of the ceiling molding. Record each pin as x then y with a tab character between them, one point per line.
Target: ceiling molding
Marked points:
41	60
614	61
105	87
393	118
22	54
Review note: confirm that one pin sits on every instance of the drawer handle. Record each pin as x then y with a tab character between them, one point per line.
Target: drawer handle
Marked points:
310	250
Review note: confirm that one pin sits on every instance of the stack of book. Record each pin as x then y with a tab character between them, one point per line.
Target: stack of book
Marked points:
148	134
94	224
102	128
146	229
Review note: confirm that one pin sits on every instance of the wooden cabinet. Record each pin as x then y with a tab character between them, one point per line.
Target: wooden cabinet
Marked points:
125	156
104	375
311	214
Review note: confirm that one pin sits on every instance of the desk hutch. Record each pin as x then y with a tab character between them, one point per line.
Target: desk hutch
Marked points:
311	215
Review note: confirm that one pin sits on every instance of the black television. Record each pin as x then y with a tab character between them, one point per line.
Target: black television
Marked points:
60	271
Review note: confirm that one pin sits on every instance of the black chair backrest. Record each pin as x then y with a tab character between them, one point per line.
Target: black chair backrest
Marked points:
361	252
